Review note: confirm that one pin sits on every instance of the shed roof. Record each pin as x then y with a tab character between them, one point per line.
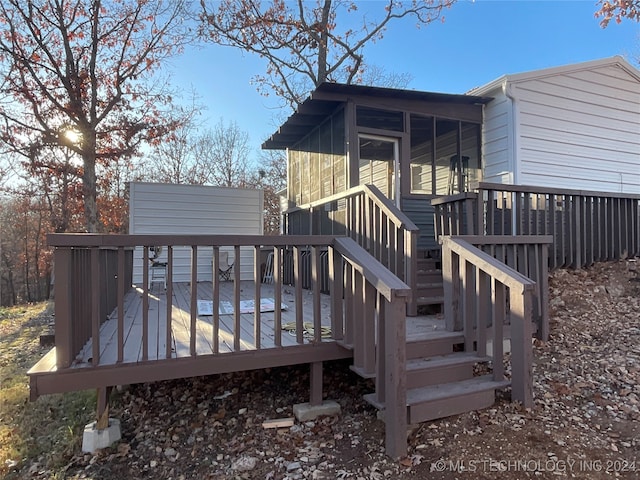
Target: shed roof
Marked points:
326	98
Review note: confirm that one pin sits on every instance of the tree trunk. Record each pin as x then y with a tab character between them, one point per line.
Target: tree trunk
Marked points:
89	188
322	45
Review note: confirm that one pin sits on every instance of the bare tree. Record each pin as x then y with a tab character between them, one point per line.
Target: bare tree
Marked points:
224	150
79	74
175	159
271	177
308	42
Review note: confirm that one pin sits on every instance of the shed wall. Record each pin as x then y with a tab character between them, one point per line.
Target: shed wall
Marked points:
158	208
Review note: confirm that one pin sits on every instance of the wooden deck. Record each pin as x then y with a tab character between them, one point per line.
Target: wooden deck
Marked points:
181	324
209	356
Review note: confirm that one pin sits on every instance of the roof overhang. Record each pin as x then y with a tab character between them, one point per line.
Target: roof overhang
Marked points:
328	97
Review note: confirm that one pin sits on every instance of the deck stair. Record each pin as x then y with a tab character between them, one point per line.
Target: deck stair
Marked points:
440	378
429	287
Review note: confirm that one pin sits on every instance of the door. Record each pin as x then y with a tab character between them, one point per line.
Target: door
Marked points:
379	164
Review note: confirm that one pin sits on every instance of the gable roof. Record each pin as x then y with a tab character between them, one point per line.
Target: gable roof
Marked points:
327	97
563	69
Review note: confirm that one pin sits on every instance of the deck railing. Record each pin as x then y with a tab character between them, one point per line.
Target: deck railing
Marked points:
373	221
368	303
89	284
528	255
478	291
586	227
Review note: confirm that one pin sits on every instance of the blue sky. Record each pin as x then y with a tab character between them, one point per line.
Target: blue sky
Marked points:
478	42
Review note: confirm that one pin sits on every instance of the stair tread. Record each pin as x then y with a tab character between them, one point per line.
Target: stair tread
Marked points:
456	337
436	299
455	389
457	358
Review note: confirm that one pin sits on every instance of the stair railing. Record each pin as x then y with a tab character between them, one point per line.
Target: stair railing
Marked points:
373	221
368	313
481	294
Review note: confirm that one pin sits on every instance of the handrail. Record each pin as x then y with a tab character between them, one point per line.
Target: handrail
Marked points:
373	271
549	191
498	270
453	198
121	240
478	290
394	213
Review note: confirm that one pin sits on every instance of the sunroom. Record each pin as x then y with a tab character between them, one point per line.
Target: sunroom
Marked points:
410	145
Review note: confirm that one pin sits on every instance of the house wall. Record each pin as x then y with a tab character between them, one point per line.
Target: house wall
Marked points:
159	208
569	128
497	139
580	130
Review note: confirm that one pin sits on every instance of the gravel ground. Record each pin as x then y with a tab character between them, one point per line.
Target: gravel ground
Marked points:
585	422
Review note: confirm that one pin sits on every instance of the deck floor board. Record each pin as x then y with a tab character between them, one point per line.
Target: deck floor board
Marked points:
181	323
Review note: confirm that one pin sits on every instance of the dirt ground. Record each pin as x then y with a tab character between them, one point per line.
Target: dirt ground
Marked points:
585	423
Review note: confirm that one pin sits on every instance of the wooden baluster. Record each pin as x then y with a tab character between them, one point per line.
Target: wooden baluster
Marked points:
257	280
498	300
194	301
297	276
145	304
96	285
169	296
216	300
120	287
336	280
237	332
277	280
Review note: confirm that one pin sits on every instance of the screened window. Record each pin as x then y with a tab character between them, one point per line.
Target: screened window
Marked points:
445	155
421	154
317	166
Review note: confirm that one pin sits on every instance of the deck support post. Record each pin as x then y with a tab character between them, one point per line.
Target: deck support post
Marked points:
316	407
104	431
102	414
315	396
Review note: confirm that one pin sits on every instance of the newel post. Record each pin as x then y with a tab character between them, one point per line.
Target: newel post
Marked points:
395	378
451	286
62	302
521	347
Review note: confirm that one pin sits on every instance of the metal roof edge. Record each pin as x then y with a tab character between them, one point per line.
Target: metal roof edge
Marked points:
545	72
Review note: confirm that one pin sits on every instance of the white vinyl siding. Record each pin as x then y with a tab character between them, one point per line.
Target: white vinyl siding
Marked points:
576	126
156	208
496	140
580	130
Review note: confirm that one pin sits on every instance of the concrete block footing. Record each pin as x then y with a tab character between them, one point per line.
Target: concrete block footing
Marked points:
94	439
305	412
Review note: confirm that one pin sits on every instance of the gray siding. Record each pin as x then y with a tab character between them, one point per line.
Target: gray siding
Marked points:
421	213
497	139
194	209
581	130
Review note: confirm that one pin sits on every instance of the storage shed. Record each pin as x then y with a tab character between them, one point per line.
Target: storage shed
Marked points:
161	208
575	126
